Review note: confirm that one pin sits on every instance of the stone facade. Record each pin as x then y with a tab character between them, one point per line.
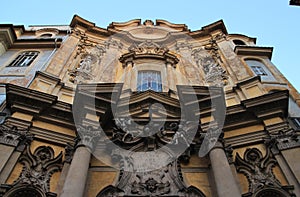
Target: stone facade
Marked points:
144	109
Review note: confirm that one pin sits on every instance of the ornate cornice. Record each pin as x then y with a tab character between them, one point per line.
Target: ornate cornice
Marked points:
207	30
148	49
254	51
7	35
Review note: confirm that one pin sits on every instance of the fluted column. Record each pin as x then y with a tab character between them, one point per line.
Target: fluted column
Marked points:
75	182
226	184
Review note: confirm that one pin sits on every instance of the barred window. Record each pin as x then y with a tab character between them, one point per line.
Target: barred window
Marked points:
149	80
257	67
258	70
24	59
296	122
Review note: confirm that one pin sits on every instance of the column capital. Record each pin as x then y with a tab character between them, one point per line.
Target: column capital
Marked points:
282	140
69	152
87	136
13	136
213	139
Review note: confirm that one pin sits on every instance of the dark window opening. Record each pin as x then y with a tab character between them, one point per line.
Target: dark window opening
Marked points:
239	42
24	59
46	35
296	122
26	192
258	70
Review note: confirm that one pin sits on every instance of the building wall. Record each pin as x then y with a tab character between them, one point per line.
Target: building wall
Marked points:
41	99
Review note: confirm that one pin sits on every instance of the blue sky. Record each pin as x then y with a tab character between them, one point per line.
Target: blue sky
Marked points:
274	23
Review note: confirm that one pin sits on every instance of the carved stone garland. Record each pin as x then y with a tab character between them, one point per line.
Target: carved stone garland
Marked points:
258	170
37	171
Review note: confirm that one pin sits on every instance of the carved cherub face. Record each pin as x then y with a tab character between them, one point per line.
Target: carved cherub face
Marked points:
151	185
43	155
253	157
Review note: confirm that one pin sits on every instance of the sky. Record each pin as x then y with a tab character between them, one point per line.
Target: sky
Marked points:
273	22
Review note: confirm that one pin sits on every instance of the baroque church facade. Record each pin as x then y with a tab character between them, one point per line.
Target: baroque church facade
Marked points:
144	108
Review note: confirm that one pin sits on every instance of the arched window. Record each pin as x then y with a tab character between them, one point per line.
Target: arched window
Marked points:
24	59
257	67
149	80
239	42
271	192
260	69
25	191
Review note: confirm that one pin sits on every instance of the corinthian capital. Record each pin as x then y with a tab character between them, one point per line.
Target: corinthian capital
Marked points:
87	136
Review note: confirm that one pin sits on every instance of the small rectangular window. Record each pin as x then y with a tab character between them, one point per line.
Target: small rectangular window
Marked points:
258	70
24	59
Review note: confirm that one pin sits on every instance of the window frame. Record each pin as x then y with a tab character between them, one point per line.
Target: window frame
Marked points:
257	67
24	59
149	84
259	70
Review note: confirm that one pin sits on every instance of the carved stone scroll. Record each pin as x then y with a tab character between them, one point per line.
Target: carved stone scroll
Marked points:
258	169
38	167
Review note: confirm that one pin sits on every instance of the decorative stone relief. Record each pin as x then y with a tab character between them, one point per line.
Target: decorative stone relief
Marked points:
257	169
182	135
69	151
112	43
220	36
150	186
83	42
148	47
91	56
284	139
210	61
11	135
125	131
38	169
175	133
228	151
140	175
87	136
213	137
183	45
167	181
